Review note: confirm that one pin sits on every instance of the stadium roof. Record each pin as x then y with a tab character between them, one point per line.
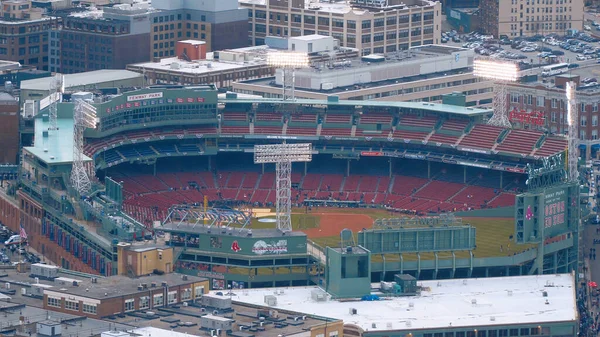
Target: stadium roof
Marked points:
443	303
57	147
81	79
434	107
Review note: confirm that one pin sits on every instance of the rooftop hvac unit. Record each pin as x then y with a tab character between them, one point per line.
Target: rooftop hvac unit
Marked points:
352	311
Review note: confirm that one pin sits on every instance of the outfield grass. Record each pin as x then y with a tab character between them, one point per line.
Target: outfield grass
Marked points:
491	233
299	222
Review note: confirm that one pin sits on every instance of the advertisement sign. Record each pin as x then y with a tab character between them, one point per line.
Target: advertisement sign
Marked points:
142	97
526	117
371	154
554	208
272	248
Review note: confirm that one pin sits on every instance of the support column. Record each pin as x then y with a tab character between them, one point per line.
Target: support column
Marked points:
347	167
588	152
390	162
305	167
263	168
209	163
428	170
154	167
501	178
464	174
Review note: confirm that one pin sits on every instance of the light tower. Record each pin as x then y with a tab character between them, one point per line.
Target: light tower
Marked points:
283	155
84	117
288	62
501	73
573	117
57	88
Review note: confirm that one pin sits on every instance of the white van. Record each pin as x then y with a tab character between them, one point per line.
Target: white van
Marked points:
13	240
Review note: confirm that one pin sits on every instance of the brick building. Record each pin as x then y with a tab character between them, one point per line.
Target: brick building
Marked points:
106	39
101	297
24	34
548	101
9	129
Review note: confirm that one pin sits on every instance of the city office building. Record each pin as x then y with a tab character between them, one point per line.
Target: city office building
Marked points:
105	39
419	74
24	33
371	26
512	18
221	24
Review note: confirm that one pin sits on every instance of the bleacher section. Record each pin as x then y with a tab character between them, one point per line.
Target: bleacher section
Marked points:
481	136
551	146
148	197
519	141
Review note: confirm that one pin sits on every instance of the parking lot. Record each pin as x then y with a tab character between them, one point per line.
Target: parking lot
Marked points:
13	253
581	50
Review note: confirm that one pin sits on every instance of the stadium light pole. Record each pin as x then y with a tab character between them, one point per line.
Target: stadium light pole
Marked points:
57	88
84	117
288	62
573	120
283	155
501	73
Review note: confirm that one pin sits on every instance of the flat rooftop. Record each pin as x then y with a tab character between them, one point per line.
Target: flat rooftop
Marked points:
173	64
12	314
246	315
433	107
187	227
443	303
116	286
81	79
341	7
57	147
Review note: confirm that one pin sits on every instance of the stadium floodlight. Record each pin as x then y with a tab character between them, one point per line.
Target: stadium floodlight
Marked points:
501	73
573	140
57	88
288	62
84	117
283	155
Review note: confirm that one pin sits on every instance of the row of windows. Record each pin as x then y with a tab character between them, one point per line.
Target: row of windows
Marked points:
536	331
170	18
540	102
56	302
339	23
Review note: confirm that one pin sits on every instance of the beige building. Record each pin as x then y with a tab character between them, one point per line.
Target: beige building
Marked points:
514	18
420	74
370	26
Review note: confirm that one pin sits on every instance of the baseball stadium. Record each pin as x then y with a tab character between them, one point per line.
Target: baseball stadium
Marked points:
413	188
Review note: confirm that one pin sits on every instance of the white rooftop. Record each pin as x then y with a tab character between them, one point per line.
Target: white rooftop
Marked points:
82	79
444	303
193	42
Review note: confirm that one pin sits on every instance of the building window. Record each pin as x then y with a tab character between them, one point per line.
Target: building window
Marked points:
159	301
583	121
90	309
582	134
198	291
540	101
144	302
366	24
72	305
514	98
594	120
594	134
129	305
172	297
554	104
53	302
595	108
186	294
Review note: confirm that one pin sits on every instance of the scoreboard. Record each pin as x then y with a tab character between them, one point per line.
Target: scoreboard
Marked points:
546	213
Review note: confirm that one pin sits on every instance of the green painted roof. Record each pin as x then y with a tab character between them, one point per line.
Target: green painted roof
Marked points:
433	107
59	144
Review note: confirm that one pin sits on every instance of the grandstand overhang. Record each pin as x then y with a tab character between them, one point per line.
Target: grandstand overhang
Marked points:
334	101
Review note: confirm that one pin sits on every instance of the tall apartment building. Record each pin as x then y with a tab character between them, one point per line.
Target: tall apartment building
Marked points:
221	24
514	18
105	39
24	33
372	26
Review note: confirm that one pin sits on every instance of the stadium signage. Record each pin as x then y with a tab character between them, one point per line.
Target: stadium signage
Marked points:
554	209
261	247
467	163
525	117
371	154
552	172
210	274
469	149
142	97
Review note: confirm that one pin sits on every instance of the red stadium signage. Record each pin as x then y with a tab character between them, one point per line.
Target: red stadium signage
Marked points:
144	96
526	117
200	99
371	154
179	100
